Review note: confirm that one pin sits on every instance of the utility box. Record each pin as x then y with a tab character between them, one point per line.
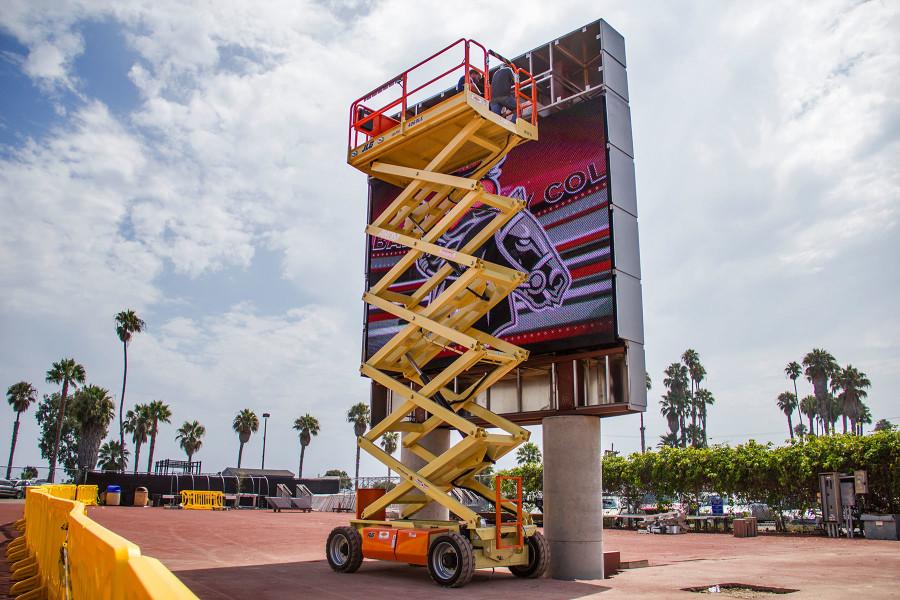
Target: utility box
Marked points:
882	527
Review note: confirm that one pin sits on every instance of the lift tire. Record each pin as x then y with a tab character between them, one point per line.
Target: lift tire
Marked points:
344	549
538	557
451	560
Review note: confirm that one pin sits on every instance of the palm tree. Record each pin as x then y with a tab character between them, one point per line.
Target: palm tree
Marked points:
670	409
66	372
800	429
190	437
704	398
359	416
93	410
159	413
851	382
308	426
670	439
138	422
787	402
389	444
793	371
244	424
20	396
127	324
865	418
809	408
820	365
691	360
676	381
112	456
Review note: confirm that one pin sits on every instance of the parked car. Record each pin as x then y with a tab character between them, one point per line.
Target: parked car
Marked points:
8	489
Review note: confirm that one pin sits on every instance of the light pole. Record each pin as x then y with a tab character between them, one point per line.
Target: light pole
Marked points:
265	429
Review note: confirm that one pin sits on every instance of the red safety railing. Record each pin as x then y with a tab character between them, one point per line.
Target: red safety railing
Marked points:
367	122
498	508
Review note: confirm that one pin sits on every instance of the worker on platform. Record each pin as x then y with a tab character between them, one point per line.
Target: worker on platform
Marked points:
502	94
476	82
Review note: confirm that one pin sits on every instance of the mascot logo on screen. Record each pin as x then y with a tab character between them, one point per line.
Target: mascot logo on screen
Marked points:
521	244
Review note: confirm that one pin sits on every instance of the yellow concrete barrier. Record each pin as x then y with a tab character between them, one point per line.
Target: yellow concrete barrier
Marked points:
202	500
67	555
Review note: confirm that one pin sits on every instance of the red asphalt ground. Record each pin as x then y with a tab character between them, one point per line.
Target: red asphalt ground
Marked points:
264	555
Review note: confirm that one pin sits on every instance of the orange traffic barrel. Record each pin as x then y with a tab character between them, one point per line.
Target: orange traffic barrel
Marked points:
365	497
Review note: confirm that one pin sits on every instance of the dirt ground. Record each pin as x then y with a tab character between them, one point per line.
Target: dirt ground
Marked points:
264	555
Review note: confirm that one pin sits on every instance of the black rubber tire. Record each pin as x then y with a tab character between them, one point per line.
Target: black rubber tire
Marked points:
538	557
344	549
451	560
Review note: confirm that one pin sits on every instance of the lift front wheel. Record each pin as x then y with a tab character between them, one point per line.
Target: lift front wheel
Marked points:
538	557
344	549
451	561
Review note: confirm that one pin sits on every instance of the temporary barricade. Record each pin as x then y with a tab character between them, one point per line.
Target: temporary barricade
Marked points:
87	495
64	490
67	555
202	500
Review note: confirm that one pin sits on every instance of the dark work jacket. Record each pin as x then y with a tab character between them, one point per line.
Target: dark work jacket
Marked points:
502	82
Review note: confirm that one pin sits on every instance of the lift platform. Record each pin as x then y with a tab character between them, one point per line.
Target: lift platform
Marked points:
437	151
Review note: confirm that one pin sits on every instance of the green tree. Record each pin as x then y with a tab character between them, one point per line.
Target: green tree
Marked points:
159	413
359	416
307	426
865	418
670	408
820	366
20	396
793	371
884	425
112	456
809	408
65	372
389	444
800	430
93	411
787	402
28	473
46	416
676	381
190	438
345	484
696	372
138	422
245	423
705	399
127	325
528	453
850	386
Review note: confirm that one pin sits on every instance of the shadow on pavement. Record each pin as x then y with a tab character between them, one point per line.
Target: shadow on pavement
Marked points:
374	581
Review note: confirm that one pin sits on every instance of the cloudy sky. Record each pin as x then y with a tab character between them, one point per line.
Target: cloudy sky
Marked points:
188	162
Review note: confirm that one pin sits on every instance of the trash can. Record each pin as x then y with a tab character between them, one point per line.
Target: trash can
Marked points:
113	495
140	496
881	527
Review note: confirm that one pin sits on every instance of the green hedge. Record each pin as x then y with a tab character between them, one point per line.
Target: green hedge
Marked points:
785	477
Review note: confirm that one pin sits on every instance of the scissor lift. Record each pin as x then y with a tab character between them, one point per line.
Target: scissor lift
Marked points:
419	149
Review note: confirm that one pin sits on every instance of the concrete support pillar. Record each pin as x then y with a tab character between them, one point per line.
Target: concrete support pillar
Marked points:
573	505
437	442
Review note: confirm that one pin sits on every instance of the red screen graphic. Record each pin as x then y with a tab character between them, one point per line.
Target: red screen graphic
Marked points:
562	241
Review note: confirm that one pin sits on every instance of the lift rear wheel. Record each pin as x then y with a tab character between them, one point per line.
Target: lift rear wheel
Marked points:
538	557
344	549
451	561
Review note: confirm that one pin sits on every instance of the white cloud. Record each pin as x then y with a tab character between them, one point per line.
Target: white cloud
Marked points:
767	149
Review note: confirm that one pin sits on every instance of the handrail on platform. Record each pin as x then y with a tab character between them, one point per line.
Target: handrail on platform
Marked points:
368	122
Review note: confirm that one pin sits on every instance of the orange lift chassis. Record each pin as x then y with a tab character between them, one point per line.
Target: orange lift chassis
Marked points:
423	151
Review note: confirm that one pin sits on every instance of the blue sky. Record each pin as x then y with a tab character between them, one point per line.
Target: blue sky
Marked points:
189	163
